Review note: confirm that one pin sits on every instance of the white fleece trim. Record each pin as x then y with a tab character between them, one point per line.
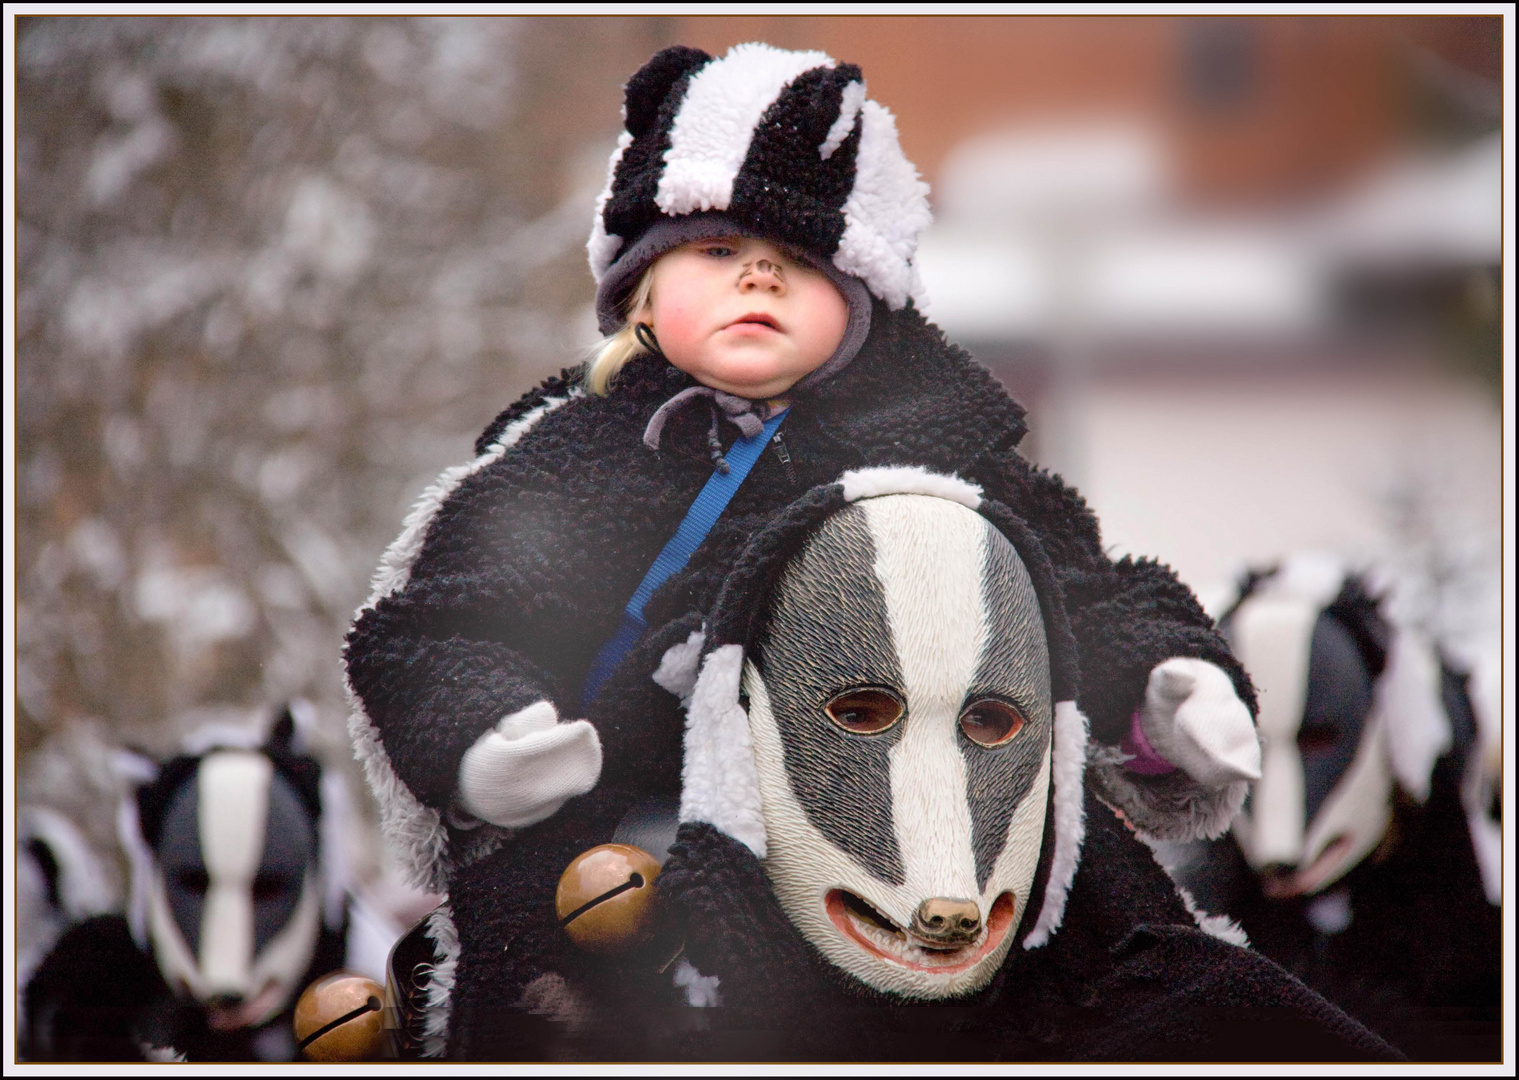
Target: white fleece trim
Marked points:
849	108
1314	577
332	848
162	1055
415	832
719	780
677	667
83	889
1483	770
1407	697
1484	689
711	134
908	480
141	866
221	736
884	214
701	990
1070	819
440	930
602	247
1219	926
1487	845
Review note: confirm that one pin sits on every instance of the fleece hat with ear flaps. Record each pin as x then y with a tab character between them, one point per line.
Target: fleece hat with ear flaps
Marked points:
768	143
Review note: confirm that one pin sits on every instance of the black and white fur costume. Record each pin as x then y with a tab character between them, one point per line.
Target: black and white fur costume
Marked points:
513	569
238	895
1363	860
899	578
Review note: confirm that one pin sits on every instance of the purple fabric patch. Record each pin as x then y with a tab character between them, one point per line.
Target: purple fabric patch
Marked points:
1145	761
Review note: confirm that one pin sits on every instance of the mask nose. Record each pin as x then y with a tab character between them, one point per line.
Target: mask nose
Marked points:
943	920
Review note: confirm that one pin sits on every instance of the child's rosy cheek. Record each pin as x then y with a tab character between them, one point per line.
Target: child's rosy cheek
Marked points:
676	321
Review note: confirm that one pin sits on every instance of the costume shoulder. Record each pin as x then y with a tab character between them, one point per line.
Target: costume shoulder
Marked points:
86	998
912	398
555	386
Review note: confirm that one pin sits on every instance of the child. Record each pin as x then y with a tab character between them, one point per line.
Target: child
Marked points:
753	253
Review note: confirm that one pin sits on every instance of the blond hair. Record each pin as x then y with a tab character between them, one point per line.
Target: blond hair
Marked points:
617	350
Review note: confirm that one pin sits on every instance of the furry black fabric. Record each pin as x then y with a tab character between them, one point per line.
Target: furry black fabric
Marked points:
525	568
98	997
1129	617
1128	978
1421	962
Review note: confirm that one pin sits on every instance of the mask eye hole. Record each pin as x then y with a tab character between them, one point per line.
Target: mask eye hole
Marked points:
866	711
1316	738
270	886
193	880
990	722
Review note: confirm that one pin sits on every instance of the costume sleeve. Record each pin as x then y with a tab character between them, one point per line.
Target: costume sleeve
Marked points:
431	687
1127	616
467	610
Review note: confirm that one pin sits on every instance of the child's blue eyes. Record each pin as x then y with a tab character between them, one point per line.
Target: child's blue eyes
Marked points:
719	251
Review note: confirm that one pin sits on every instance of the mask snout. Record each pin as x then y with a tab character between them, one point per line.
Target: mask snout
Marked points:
943	922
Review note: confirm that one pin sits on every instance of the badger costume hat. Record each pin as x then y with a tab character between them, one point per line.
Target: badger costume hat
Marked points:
767	143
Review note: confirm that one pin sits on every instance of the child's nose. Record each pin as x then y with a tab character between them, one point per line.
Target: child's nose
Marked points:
762	275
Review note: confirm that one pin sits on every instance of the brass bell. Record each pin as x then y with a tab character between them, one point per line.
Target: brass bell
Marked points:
341	1017
605	899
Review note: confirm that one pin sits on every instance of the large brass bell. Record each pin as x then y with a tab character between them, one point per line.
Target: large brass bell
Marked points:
341	1017
605	899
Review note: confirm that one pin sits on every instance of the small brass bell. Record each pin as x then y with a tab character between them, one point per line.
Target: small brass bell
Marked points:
605	899
341	1017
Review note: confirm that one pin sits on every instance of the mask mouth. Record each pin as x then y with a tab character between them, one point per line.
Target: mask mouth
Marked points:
864	925
1288	884
248	1013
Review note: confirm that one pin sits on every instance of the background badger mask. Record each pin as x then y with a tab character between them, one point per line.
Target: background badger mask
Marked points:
234	908
900	709
1349	707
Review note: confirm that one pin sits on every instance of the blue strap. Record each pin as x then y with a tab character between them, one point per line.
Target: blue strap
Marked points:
710	502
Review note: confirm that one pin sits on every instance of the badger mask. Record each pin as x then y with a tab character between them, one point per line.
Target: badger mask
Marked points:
897	700
228	885
1349	707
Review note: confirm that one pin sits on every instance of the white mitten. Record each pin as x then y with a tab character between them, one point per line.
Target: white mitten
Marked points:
524	770
1193	719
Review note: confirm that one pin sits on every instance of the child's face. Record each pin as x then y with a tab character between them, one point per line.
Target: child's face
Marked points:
741	315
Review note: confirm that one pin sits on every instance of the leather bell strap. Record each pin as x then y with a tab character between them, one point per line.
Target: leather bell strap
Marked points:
710	502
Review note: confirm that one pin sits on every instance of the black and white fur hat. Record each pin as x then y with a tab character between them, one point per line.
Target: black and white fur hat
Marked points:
722	779
782	145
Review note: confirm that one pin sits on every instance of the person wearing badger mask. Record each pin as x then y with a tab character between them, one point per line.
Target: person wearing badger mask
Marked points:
753	256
